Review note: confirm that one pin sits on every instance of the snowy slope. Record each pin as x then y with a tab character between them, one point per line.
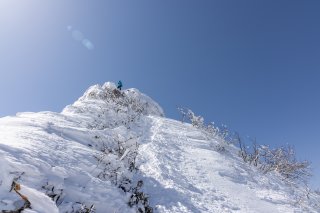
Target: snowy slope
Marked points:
184	173
94	153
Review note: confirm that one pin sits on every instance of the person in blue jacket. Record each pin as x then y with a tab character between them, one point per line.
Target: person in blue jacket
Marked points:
119	85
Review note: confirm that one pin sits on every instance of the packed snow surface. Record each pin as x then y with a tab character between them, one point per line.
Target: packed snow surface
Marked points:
93	153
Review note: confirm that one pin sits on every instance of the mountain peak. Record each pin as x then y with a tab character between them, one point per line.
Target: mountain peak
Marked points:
113	151
104	102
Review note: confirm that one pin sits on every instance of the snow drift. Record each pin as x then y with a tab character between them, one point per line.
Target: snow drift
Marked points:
114	151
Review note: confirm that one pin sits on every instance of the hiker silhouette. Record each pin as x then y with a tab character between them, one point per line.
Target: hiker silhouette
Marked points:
119	85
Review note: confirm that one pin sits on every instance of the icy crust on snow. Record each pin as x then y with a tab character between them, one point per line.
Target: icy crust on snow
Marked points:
106	106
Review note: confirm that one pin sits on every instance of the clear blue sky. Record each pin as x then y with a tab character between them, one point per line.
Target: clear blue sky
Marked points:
252	65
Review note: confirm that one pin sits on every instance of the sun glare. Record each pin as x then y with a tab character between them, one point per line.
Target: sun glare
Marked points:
15	12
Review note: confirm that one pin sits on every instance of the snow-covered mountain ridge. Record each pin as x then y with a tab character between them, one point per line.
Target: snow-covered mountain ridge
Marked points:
111	149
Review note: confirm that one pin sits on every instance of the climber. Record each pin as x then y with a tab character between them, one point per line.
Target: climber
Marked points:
119	85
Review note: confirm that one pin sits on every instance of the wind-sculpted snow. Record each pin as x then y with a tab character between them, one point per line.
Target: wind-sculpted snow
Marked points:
113	151
50	155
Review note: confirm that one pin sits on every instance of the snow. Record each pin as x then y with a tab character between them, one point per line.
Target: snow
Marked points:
40	201
66	162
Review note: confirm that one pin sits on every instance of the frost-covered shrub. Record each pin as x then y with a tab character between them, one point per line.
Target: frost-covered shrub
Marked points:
110	168
116	163
139	199
281	160
82	208
210	129
249	154
55	194
220	148
196	121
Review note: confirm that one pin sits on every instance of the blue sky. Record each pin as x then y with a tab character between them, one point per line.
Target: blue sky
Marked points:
252	65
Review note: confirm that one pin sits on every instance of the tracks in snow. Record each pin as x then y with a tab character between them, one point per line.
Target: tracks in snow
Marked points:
183	173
